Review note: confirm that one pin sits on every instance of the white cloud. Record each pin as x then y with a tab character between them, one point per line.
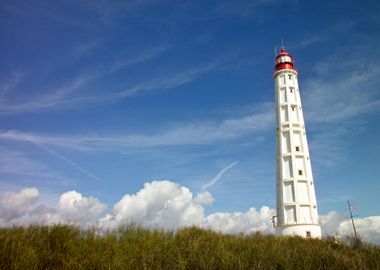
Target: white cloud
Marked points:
69	94
310	40
160	204
23	208
219	175
165	204
352	90
204	198
181	134
15	162
246	9
330	223
65	159
336	99
75	208
168	81
367	228
239	222
17	204
10	83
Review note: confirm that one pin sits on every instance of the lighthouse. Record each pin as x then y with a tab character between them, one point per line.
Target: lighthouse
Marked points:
296	202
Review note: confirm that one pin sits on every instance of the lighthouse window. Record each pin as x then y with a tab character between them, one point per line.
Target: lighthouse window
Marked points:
299	172
308	233
290	77
293	107
297	148
291	90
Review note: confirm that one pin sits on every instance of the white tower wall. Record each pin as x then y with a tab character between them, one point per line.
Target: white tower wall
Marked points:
296	201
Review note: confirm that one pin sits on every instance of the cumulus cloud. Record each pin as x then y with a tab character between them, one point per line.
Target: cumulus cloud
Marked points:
330	223
204	198
23	208
73	207
160	204
16	204
239	222
163	204
368	228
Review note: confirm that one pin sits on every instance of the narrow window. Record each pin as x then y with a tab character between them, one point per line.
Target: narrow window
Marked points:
297	148
293	107
291	90
290	76
299	172
308	233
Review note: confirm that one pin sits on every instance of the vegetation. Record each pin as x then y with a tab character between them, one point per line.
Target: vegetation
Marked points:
131	247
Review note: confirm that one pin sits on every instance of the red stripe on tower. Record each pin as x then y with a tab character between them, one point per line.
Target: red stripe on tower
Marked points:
284	60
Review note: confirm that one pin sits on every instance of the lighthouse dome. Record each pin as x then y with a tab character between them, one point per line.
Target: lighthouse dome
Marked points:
284	60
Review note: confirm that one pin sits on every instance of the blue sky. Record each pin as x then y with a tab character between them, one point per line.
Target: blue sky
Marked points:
101	98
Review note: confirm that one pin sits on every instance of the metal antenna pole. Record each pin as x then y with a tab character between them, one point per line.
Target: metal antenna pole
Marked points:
352	219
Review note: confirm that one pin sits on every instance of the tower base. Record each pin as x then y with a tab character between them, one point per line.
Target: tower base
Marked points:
303	230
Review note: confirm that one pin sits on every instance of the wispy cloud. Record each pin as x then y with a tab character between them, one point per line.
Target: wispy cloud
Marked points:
219	175
343	87
196	133
309	40
65	159
16	162
52	12
327	147
10	83
87	48
331	100
169	81
60	99
246	9
335	99
71	94
99	14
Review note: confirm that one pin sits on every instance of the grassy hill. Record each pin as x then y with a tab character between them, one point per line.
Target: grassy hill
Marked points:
66	247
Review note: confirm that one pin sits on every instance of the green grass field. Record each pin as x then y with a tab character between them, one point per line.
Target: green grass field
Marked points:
131	247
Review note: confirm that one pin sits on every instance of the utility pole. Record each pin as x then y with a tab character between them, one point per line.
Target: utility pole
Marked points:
350	208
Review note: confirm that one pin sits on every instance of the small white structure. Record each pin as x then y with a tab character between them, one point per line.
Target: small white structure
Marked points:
296	202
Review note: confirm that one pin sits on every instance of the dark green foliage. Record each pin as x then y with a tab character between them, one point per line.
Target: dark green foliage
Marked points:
132	247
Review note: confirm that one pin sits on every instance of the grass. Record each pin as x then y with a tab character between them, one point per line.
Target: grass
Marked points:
132	247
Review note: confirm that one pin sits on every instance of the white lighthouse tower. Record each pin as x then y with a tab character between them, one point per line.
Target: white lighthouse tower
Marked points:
296	202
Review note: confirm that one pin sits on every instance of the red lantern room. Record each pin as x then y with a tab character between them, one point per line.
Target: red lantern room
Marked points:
284	61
